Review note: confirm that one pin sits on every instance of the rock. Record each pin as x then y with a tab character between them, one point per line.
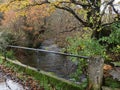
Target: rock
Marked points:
115	73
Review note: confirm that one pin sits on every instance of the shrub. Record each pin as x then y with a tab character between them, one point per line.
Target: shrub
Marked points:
84	47
113	40
3	41
14	37
10	54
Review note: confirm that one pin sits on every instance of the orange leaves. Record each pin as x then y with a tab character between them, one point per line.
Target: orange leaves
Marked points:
9	17
35	16
21	6
107	67
27	28
13	10
25	15
36	13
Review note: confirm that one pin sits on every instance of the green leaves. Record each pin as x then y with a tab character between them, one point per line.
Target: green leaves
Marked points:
114	37
86	47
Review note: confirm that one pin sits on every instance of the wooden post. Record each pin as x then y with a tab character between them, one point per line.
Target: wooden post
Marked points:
4	51
95	71
38	61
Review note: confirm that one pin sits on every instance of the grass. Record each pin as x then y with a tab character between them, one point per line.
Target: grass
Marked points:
112	83
45	80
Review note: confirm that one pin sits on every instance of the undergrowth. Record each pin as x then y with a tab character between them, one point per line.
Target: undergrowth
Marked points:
45	81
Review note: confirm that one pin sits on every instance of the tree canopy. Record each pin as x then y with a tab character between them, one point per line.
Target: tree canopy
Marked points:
88	12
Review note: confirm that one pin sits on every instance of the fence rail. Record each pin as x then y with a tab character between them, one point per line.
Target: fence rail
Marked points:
47	51
95	66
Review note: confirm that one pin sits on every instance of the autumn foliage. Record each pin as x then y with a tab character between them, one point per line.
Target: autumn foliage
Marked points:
31	15
35	16
30	20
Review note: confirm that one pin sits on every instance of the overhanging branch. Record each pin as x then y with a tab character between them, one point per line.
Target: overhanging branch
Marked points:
116	11
73	13
107	24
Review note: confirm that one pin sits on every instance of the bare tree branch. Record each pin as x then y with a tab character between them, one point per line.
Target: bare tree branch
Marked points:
90	3
73	29
116	11
74	14
106	24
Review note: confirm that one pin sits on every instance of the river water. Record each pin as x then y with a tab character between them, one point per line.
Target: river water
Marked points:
58	64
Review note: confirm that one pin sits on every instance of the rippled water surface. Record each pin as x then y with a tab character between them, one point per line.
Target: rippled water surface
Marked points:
59	64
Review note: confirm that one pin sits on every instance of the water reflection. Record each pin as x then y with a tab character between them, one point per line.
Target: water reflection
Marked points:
59	64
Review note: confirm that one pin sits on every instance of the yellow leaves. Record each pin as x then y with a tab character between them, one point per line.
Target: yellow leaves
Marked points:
51	8
20	13
15	5
19	4
56	3
3	8
85	28
81	12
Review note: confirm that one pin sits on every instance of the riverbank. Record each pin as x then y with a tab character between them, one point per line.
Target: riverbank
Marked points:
44	80
12	79
33	79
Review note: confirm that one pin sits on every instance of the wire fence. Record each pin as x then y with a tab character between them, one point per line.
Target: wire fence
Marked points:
95	64
47	51
51	61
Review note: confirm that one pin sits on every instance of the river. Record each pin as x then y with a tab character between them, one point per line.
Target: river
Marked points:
58	64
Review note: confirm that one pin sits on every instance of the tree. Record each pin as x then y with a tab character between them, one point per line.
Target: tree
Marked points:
90	10
87	12
30	20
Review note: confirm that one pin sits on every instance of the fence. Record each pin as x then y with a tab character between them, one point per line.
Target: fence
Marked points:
42	50
95	65
67	67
